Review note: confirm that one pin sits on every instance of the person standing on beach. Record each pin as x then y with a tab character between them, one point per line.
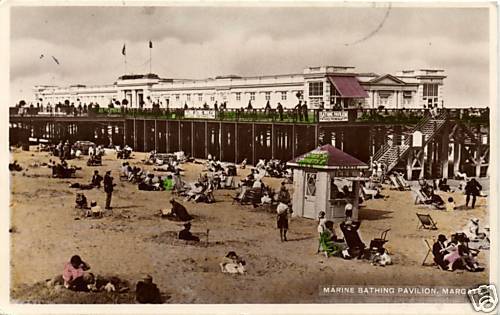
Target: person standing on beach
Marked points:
282	220
108	188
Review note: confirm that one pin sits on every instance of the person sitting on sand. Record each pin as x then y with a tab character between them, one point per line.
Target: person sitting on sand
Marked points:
381	258
450	205
232	263
186	234
95	210
439	251
147	292
96	179
81	201
472	230
243	163
443	185
15	167
74	275
178	211
355	246
328	239
460	256
168	183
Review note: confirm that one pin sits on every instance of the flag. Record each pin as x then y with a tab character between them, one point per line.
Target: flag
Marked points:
55	60
150	44
123	50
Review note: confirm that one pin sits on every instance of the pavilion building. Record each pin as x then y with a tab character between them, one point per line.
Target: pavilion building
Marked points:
324	86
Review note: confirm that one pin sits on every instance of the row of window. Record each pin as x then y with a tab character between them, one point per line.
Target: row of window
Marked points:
430	90
238	96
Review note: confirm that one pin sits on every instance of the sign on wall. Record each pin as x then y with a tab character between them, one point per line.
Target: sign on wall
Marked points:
199	114
336	115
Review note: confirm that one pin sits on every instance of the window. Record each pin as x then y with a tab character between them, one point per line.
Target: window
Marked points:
384	97
188	97
268	96
200	97
316	89
310	184
177	97
430	90
406	97
283	96
252	96
238	96
212	98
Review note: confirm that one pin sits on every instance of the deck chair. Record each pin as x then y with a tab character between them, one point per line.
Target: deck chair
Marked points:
426	222
429	252
368	193
419	197
179	186
229	183
402	182
395	183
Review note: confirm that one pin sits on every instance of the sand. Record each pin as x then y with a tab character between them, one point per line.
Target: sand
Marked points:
133	240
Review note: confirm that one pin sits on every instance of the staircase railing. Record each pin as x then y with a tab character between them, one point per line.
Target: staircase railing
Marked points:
401	149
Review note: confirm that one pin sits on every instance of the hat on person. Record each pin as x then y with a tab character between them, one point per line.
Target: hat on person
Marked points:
321	214
93	203
187	224
348	207
147	277
475	220
76	260
441	238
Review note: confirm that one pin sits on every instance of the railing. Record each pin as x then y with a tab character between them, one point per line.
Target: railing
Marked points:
407	143
384	116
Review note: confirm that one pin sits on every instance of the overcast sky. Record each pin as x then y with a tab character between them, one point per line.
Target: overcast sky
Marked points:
201	42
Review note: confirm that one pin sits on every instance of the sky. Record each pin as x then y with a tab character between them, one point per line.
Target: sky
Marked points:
200	42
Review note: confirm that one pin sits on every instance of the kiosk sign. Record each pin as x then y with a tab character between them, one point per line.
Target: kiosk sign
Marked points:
199	114
336	115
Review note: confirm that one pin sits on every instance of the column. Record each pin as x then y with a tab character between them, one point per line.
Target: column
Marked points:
273	142
445	144
409	164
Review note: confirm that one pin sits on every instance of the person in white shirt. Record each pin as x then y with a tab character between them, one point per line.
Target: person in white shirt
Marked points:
282	220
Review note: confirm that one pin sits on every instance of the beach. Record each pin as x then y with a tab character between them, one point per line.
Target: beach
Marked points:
132	240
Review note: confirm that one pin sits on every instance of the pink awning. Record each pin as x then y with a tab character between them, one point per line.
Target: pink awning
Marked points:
348	86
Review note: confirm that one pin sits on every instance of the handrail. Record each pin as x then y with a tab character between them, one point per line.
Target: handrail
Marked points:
406	144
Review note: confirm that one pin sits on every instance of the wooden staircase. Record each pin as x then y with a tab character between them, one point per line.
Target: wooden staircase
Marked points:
390	155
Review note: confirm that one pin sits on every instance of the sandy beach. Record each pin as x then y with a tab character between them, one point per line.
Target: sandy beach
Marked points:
132	240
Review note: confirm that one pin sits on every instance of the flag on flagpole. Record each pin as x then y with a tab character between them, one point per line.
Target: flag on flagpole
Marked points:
123	50
150	44
55	60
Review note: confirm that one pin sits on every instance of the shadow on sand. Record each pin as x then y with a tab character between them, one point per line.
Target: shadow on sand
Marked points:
373	214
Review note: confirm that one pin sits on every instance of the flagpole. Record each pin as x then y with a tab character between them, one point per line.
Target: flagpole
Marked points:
150	56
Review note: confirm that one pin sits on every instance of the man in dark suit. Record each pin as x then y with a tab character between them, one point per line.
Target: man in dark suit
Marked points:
438	252
108	188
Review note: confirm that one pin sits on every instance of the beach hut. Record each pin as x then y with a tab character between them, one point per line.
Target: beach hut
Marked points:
317	174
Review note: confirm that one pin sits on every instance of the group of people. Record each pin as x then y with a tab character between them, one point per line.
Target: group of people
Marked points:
351	245
62	169
273	168
76	277
455	254
124	153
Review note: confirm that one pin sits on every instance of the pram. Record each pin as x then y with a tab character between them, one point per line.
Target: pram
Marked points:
377	244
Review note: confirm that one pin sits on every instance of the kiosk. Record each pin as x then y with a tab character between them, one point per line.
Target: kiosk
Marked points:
316	177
